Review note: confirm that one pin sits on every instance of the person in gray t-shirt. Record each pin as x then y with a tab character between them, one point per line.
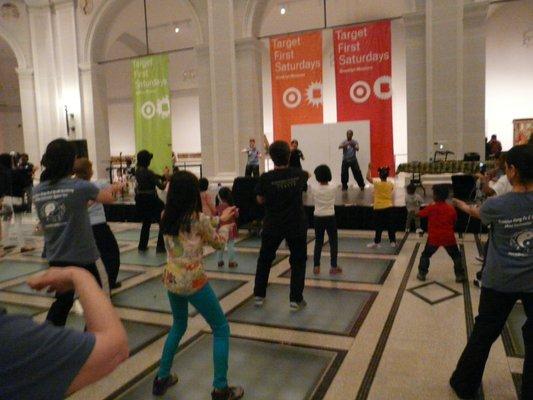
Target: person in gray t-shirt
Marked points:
44	362
61	204
252	164
349	161
508	275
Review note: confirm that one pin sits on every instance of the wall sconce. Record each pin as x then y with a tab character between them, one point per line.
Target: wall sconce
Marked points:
71	122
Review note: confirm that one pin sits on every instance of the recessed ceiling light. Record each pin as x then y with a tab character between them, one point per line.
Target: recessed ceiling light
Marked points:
177	29
283	10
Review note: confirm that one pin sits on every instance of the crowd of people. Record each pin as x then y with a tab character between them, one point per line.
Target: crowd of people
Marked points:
48	361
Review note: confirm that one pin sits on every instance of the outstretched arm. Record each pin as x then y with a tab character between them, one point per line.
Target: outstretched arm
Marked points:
111	344
469	209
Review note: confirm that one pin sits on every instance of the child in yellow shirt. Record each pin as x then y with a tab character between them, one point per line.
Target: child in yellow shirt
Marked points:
383	191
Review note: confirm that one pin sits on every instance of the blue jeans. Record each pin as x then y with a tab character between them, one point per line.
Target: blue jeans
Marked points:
206	302
231	251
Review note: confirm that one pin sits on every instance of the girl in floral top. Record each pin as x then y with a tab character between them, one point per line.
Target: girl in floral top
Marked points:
186	230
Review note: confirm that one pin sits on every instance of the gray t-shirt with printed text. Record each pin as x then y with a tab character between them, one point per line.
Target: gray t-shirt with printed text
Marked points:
62	211
509	266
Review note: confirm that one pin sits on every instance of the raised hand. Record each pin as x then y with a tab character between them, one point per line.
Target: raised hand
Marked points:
228	214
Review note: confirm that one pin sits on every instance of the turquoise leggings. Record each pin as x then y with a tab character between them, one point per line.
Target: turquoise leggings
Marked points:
206	302
231	251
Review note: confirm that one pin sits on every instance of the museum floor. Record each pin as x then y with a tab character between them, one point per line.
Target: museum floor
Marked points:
374	332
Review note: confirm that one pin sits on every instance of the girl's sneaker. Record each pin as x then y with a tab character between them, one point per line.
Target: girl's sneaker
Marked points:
220	264
233	264
419	231
335	271
373	245
161	386
316	270
230	393
393	244
259	301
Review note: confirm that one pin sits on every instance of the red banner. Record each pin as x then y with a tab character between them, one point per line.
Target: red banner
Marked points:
296	64
363	84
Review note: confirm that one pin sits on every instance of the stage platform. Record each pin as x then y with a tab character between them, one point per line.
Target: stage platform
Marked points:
353	209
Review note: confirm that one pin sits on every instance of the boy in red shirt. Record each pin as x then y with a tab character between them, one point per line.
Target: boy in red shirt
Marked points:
441	222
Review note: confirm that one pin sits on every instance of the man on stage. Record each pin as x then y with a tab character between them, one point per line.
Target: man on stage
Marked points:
349	160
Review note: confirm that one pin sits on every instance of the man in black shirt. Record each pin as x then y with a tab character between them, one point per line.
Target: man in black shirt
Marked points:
296	155
280	190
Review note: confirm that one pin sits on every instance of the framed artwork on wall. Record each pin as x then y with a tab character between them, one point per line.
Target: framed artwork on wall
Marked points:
523	129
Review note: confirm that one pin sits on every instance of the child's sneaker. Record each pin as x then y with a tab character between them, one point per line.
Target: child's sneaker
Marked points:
220	264
161	386
316	270
233	264
335	270
230	393
373	245
297	305
419	231
421	277
259	301
393	245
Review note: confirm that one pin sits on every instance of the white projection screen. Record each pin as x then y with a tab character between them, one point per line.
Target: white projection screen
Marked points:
320	145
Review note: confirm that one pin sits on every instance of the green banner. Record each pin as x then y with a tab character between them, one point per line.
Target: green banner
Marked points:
151	102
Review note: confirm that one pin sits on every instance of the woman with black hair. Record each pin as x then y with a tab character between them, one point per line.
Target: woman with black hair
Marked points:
61	204
187	230
149	206
507	277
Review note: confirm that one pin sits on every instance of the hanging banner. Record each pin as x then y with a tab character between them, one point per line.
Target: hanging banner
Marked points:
151	109
296	64
363	84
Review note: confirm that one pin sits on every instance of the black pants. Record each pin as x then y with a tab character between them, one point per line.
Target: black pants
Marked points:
149	208
252	170
109	251
494	308
328	224
356	171
383	221
479	274
453	252
270	242
58	313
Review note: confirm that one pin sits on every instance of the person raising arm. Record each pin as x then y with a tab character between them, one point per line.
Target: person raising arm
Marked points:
41	361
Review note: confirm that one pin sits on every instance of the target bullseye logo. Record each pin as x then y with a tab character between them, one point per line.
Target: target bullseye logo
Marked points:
292	97
360	92
148	110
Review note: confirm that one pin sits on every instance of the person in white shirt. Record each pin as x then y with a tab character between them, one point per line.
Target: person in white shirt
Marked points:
324	218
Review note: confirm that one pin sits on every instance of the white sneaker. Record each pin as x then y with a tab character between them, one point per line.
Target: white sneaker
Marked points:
259	301
393	244
297	306
77	308
419	231
373	245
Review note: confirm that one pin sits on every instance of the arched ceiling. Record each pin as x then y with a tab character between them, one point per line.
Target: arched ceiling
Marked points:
123	33
309	14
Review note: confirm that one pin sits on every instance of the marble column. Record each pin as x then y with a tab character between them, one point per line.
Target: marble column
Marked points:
249	95
444	75
67	63
415	56
218	94
94	116
474	82
50	113
32	145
